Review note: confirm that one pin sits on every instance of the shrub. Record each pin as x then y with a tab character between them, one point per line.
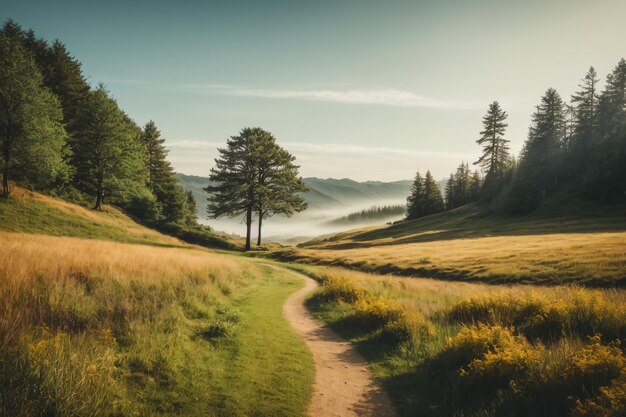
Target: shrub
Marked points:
338	289
594	366
409	327
374	313
474	342
610	401
510	365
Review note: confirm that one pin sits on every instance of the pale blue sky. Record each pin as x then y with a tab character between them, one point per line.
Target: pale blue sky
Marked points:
360	89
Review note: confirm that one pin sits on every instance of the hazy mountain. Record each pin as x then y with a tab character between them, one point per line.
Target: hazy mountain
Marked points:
323	194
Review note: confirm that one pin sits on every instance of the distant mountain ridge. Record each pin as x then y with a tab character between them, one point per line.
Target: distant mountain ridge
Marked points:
323	193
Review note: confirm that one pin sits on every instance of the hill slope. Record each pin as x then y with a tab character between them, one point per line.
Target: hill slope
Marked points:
583	244
32	212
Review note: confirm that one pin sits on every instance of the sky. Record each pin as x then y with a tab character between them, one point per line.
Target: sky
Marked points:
369	90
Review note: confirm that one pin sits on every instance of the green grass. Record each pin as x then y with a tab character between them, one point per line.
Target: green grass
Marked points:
264	369
259	367
31	212
34	213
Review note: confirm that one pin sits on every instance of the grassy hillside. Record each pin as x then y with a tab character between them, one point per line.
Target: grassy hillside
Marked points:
461	349
102	328
556	244
31	212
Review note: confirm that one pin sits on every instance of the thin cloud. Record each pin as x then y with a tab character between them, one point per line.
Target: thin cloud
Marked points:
331	160
384	97
373	97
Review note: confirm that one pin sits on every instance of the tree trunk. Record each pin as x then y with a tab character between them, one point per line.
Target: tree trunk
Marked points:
248	227
5	180
5	172
99	192
258	241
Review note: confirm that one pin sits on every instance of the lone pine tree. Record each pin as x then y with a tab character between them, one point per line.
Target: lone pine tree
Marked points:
254	174
495	157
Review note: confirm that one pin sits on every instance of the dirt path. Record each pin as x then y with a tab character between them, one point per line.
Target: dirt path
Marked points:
343	384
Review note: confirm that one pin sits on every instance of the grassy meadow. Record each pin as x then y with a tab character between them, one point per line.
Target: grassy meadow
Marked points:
464	349
102	328
585	246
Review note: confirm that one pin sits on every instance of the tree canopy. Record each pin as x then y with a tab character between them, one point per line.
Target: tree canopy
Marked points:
32	136
254	174
495	158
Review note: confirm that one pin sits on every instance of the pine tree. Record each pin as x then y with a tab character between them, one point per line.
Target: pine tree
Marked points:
63	75
109	157
33	140
278	182
253	174
475	184
450	186
495	157
605	177
192	210
461	185
415	200
433	201
540	166
585	104
171	198
425	198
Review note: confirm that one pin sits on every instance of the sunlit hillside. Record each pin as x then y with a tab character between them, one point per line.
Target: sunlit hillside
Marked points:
581	244
32	212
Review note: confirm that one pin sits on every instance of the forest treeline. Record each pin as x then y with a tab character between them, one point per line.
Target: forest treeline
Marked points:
372	213
576	148
61	136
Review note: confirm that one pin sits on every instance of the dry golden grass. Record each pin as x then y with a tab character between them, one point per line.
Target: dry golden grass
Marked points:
68	304
24	256
594	258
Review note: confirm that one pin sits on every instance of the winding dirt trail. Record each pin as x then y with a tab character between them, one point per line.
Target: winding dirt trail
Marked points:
343	384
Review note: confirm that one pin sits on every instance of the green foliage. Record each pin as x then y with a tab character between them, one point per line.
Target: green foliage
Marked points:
495	159
425	198
339	290
173	204
109	157
579	148
33	141
253	174
605	172
540	167
196	234
104	152
463	187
